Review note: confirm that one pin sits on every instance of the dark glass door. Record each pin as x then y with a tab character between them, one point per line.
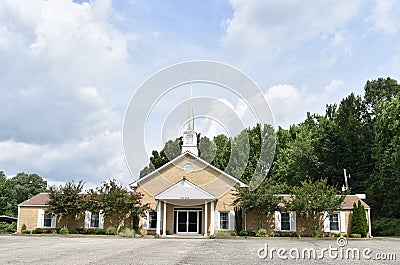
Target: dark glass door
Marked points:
182	222
193	219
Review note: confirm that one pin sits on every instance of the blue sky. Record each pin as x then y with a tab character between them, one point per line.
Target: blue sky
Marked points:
68	69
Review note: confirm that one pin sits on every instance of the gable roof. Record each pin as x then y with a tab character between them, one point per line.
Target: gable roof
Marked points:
40	199
349	200
153	173
184	189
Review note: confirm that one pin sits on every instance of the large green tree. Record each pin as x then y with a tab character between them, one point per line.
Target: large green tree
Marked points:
7	202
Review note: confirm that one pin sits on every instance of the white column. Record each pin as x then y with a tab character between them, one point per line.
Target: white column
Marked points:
212	218
369	223
205	219
158	218
164	225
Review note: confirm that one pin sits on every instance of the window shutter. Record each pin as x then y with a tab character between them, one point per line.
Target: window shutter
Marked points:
40	218
277	221
101	219
145	221
292	216
88	215
327	226
232	220
216	220
342	216
53	220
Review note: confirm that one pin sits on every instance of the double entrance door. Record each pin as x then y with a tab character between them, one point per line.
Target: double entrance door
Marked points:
187	221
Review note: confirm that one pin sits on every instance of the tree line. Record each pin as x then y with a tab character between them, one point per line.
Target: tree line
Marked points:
17	189
360	134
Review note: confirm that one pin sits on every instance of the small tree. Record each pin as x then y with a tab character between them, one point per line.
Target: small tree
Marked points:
312	198
66	200
116	202
238	219
260	201
359	223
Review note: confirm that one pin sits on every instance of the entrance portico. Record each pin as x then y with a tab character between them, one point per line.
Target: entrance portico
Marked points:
188	206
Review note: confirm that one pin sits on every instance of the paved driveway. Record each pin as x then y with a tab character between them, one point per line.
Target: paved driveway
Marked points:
116	250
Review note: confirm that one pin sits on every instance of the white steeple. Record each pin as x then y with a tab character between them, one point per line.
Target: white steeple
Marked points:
190	136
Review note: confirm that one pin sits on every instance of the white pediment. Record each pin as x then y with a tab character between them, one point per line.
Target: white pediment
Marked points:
185	190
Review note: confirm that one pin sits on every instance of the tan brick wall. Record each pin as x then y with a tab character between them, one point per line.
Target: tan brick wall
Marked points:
28	216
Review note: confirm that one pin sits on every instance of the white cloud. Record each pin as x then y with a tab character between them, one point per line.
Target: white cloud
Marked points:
385	17
290	105
62	63
266	27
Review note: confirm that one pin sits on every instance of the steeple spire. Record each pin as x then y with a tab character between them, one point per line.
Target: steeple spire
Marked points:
191	119
190	136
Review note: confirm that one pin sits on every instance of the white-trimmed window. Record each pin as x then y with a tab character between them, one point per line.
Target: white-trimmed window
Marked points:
46	220
149	222
285	221
336	222
94	219
152	220
224	220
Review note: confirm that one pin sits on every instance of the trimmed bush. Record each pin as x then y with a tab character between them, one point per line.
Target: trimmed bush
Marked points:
26	231
316	234
222	233
359	223
111	230
355	235
63	231
247	233
99	231
78	230
126	232
37	231
262	233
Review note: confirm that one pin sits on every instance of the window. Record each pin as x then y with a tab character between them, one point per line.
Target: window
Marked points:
285	221
152	220
224	220
47	220
334	222
94	219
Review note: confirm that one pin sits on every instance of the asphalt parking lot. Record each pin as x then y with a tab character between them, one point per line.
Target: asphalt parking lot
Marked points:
115	250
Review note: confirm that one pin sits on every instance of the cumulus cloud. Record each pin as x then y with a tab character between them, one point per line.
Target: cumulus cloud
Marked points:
267	27
289	104
61	62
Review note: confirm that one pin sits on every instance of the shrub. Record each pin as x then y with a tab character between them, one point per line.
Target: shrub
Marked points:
37	231
316	234
12	228
78	230
26	231
386	227
126	232
222	233
246	233
359	223
47	231
111	230
274	234
355	235
63	231
3	227
99	231
262	233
